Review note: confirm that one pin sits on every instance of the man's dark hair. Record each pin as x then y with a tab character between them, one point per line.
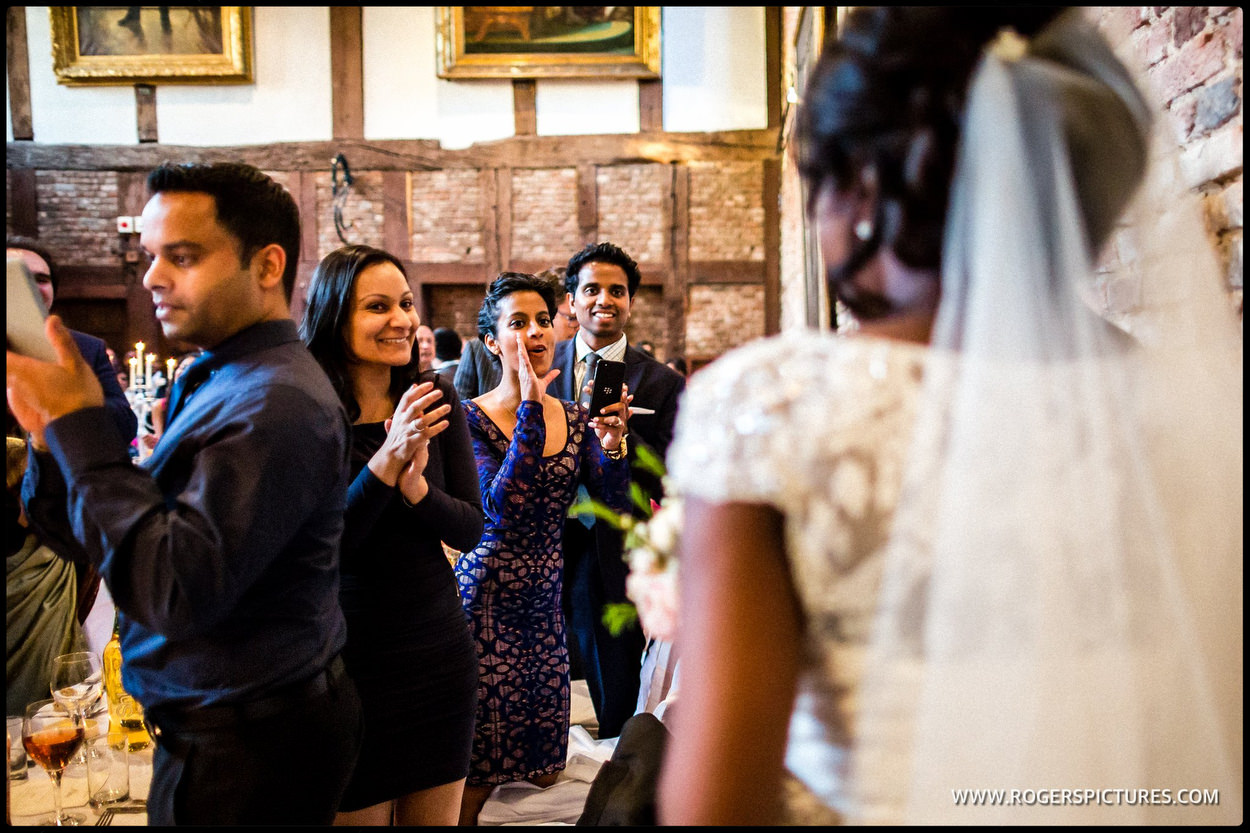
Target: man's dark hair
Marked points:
446	344
31	245
503	286
602	253
253	208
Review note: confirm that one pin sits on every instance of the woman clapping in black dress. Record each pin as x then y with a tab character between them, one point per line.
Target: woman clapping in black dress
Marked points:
414	487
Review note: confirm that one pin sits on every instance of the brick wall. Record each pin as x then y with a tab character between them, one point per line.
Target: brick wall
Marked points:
631	201
726	211
446	217
455	307
1192	56
78	216
722	317
544	215
646	319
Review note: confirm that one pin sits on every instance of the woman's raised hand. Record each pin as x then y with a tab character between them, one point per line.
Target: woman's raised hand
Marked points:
408	432
532	387
613	423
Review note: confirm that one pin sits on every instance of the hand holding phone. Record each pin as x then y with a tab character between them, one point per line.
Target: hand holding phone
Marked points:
606	386
25	314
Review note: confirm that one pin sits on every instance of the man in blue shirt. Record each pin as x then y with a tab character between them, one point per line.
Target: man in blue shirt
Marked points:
222	550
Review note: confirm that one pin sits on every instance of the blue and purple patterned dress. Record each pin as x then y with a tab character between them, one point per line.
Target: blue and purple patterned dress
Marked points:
510	586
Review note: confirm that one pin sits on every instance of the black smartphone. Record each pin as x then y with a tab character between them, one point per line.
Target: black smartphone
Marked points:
606	387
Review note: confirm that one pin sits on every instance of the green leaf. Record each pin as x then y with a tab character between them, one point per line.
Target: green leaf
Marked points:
602	511
617	616
648	461
640	499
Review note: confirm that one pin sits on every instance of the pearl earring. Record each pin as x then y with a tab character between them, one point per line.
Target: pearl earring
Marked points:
863	230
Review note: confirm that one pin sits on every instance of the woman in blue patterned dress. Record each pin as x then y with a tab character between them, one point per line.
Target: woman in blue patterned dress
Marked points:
532	451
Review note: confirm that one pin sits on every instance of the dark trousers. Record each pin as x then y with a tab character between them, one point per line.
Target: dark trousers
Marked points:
611	664
284	764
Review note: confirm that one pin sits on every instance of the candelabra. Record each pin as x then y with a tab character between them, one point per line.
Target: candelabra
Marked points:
142	394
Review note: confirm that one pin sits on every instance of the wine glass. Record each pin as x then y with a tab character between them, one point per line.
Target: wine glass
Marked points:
77	682
52	735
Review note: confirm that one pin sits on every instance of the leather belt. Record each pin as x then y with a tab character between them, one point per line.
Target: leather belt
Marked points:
200	718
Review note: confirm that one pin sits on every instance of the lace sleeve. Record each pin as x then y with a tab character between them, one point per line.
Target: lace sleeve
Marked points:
728	444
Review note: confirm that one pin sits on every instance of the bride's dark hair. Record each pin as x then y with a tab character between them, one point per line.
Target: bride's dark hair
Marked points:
889	94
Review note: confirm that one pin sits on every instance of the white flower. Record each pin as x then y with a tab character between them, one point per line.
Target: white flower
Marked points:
652	580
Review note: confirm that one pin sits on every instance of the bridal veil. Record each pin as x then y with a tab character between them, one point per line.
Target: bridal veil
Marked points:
1060	631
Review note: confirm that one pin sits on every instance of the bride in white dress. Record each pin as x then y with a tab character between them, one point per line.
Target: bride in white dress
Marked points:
987	541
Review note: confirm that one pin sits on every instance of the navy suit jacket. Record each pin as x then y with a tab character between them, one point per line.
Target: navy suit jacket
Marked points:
95	351
654	385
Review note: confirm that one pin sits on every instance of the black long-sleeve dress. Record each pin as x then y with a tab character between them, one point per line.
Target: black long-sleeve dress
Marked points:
408	645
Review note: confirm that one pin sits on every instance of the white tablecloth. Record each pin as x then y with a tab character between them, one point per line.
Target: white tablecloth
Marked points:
31	800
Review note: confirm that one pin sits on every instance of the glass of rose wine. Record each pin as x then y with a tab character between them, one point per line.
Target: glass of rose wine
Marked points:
52	736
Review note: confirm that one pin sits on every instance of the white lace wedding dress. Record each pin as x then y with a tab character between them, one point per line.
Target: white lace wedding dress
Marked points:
817	426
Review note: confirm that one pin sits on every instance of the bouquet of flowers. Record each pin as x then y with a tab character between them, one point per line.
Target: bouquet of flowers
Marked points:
651	552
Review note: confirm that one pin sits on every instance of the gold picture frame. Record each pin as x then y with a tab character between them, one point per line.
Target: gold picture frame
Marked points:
524	42
98	45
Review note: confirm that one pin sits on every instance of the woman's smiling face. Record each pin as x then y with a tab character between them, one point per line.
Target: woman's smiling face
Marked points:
384	320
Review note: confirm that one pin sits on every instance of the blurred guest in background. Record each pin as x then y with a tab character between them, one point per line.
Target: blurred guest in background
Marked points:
41	597
425	347
565	321
447	349
39	261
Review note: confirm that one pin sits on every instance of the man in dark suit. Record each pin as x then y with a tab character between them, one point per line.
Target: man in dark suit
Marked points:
601	282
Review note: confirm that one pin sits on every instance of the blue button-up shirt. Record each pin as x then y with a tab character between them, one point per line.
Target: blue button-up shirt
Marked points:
222	550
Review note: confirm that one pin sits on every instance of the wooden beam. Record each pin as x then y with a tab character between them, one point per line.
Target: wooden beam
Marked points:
396	210
18	61
463	274
414	155
728	271
23	202
650	106
675	293
503	216
587	203
772	64
525	107
347	73
488	188
145	113
772	247
304	189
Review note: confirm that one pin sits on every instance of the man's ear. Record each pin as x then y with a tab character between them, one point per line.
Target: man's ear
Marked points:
271	262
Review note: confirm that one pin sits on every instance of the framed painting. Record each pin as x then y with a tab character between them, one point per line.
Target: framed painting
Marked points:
548	42
151	44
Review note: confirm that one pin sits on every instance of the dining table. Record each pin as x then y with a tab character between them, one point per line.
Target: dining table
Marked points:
30	800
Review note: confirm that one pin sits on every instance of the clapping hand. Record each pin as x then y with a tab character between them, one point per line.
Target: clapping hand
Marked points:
408	433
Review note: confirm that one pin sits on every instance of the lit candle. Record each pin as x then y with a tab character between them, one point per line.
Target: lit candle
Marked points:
134	371
147	368
170	364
